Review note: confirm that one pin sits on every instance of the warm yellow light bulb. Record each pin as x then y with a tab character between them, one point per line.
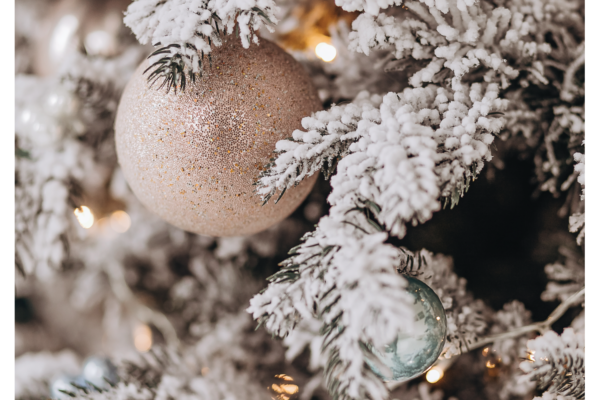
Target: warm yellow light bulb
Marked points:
434	375
284	377
288	388
325	52
84	216
142	338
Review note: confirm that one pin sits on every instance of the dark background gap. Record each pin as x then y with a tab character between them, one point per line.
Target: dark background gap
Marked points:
499	236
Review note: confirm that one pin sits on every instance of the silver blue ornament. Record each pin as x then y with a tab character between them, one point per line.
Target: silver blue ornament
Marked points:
409	356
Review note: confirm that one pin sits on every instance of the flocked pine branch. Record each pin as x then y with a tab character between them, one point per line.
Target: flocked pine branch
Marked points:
327	140
517	45
455	39
565	277
413	151
427	147
165	374
49	168
557	363
184	32
423	144
328	277
60	123
409	149
568	275
577	220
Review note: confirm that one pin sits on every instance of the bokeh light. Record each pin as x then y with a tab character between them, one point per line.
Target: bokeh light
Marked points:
325	52
142	338
120	221
84	216
434	375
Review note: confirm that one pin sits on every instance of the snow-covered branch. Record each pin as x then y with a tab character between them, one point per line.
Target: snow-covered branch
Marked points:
415	149
565	277
457	37
429	144
60	123
577	220
186	30
344	275
557	363
328	138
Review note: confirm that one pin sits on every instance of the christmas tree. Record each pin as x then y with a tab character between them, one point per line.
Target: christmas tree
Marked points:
395	194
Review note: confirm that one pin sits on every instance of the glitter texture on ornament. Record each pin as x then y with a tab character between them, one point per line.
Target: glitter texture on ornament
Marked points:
192	156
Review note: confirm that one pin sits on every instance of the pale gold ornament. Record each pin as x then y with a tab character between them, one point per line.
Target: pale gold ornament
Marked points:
192	156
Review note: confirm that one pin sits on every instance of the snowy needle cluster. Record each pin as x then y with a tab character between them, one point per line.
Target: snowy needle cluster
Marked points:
557	362
185	31
481	78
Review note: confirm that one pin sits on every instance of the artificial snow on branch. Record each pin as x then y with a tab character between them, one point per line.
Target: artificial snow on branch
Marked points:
577	220
557	363
60	123
565	277
418	146
185	31
460	40
344	275
327	140
410	153
49	166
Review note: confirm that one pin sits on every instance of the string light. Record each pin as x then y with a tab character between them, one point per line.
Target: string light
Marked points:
142	338
84	216
288	389
283	390
434	374
325	52
120	221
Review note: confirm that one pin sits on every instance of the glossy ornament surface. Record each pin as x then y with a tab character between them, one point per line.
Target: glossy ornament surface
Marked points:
411	355
192	156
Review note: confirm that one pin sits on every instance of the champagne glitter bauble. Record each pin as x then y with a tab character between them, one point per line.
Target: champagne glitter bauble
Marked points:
192	156
411	355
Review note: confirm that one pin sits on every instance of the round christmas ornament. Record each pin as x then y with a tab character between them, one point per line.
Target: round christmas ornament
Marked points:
411	355
192	156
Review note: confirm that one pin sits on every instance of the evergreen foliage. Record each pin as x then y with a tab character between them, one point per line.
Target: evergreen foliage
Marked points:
479	74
